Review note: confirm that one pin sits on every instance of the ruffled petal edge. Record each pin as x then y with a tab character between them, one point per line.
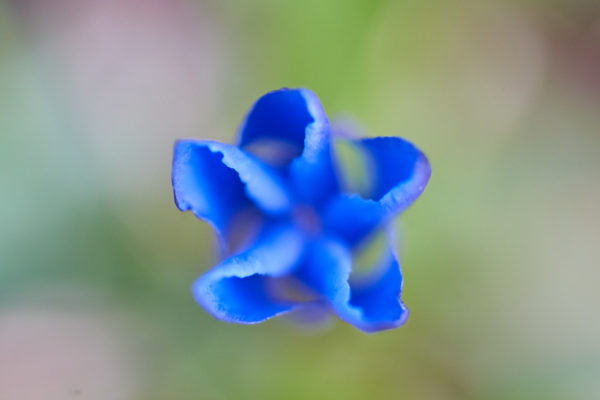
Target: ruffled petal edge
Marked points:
371	306
238	290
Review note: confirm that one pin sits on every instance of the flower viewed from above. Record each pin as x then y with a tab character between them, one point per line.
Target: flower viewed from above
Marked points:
290	226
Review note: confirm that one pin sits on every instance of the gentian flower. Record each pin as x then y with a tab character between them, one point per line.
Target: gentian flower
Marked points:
289	227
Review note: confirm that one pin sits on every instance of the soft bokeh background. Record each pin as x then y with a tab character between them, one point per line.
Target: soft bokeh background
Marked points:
500	255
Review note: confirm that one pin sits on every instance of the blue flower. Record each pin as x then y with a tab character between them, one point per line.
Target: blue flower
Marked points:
289	227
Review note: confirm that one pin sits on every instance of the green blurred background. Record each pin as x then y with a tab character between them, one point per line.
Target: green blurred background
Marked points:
500	255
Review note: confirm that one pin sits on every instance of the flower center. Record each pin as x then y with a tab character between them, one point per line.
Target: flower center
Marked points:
307	219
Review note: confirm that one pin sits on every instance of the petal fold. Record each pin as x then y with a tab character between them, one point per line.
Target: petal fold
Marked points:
399	173
352	218
289	128
240	289
281	115
218	181
372	305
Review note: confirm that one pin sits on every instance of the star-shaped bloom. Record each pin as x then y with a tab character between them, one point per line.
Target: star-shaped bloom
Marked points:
289	226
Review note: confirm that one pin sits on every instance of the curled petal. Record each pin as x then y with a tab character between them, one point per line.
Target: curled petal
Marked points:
379	297
313	179
313	174
399	173
240	289
371	306
289	128
282	115
218	181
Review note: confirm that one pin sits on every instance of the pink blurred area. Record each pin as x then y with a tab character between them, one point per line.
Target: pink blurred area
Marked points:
577	46
56	353
135	75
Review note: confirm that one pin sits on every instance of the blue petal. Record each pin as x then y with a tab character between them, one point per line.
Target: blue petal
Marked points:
281	115
239	289
371	306
294	117
352	218
379	298
399	174
313	177
218	181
